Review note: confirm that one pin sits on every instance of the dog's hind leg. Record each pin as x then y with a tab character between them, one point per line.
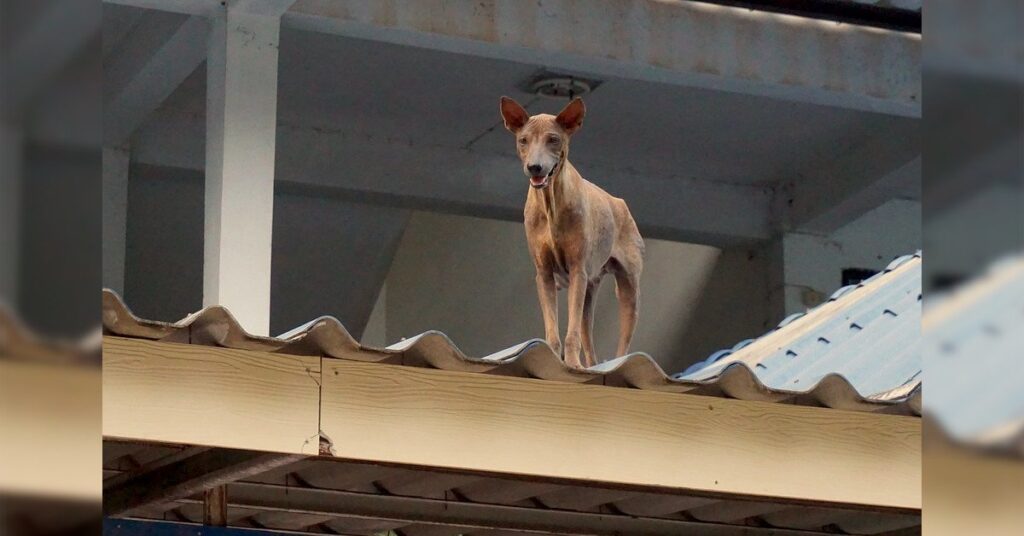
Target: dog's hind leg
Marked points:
627	290
589	354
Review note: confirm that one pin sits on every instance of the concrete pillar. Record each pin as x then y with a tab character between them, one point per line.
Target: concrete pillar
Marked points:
241	123
10	212
116	162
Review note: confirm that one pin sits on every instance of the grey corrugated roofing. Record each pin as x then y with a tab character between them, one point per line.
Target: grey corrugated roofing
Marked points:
974	344
869	334
326	336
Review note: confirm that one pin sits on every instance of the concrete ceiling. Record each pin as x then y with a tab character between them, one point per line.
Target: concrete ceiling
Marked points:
696	155
406	93
429	97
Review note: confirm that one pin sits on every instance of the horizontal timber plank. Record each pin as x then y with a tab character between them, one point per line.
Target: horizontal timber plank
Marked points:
203	395
49	415
616	436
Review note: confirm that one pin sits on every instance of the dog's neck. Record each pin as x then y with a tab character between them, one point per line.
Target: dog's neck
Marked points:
561	191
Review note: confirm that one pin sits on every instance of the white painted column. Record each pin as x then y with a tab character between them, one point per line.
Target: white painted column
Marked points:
10	212
241	123
116	163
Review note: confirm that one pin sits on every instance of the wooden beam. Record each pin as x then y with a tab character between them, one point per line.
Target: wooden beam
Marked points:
48	444
969	492
196	474
473	517
615	436
201	395
215	506
612	437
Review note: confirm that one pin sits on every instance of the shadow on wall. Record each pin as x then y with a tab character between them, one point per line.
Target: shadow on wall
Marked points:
473	279
734	306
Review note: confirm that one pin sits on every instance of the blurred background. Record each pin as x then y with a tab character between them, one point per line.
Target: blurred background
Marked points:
50	267
769	158
973	225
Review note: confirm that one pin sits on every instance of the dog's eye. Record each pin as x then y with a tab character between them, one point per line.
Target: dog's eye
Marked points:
553	139
522	141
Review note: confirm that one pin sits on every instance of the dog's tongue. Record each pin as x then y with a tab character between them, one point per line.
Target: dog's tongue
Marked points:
537	181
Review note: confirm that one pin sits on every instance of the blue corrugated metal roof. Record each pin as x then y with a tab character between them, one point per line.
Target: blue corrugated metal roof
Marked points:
866	333
974	344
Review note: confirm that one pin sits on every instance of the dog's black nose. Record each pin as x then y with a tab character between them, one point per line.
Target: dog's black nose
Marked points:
534	170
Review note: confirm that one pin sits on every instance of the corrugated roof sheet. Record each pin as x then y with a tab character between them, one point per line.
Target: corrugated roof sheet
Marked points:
868	334
888	387
974	344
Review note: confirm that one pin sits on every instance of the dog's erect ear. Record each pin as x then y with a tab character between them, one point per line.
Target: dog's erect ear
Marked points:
513	114
571	117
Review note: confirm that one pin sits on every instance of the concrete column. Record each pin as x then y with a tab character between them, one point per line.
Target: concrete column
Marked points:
241	123
10	212
116	162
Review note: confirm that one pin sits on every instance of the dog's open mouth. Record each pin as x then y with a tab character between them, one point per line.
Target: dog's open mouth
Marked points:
539	182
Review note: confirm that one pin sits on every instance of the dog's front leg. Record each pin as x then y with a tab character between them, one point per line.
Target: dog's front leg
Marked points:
547	294
577	297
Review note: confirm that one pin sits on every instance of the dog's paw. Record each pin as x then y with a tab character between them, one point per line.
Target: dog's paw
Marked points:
575	365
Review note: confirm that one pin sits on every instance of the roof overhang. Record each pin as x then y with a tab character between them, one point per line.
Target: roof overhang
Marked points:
735	458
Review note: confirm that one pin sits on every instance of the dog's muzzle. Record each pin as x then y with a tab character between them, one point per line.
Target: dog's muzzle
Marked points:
542	181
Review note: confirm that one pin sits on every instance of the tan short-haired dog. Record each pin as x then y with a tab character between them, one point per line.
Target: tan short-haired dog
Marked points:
576	232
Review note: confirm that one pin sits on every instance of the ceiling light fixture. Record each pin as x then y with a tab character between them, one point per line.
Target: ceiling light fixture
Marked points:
561	87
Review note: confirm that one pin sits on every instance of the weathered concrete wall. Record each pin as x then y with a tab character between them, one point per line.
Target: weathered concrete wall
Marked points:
670	41
690	43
